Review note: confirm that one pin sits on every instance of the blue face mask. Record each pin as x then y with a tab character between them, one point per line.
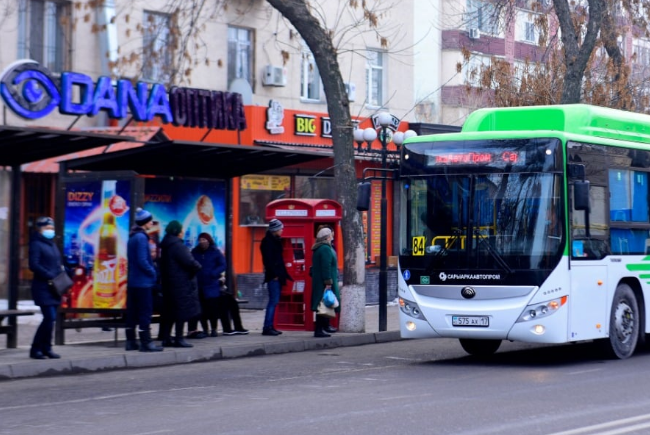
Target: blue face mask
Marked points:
48	234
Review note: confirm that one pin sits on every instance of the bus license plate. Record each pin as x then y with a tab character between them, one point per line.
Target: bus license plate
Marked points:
483	321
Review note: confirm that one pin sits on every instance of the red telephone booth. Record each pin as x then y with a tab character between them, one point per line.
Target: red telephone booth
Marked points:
302	219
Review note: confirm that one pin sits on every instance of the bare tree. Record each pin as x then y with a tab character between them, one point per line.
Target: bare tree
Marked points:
319	40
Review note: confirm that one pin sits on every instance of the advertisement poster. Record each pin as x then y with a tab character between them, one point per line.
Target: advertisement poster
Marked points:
96	229
199	205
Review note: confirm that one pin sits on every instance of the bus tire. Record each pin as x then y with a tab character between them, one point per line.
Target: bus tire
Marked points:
623	324
480	347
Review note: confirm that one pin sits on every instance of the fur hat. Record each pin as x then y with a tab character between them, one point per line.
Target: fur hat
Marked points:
323	233
174	228
142	217
275	225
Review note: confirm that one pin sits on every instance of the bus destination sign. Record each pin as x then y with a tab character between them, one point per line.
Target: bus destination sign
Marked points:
475	158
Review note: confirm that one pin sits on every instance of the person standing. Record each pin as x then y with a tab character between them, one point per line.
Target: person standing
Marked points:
275	272
213	265
141	281
46	263
325	276
178	270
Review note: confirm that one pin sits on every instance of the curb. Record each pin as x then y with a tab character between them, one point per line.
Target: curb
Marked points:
133	360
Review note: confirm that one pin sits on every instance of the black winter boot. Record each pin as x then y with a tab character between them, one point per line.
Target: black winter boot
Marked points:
131	342
327	327
318	327
146	344
179	341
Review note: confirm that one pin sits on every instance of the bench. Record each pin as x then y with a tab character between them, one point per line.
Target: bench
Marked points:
111	318
11	328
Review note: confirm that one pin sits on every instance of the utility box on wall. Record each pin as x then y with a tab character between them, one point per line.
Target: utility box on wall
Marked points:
302	218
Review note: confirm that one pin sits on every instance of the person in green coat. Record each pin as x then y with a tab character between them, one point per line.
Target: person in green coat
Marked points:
324	275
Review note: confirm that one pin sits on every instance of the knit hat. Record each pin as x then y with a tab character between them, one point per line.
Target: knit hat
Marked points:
323	233
142	216
44	221
275	225
174	228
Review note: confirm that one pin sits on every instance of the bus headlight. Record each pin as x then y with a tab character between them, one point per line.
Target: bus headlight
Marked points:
410	308
543	309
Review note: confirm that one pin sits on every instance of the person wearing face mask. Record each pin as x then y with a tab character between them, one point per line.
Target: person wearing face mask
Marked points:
213	265
46	263
275	272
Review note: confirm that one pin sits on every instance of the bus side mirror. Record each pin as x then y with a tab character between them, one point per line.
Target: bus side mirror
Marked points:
581	195
363	196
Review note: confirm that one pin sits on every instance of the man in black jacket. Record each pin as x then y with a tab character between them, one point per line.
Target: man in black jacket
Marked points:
275	273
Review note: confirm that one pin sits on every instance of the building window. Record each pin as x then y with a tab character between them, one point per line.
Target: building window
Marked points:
309	77
529	30
473	69
482	15
44	33
157	64
375	78
240	54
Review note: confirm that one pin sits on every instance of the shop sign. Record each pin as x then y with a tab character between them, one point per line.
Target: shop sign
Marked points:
274	117
326	127
265	182
32	92
305	125
394	122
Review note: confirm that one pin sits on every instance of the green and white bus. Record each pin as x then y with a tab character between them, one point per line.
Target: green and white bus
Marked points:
531	224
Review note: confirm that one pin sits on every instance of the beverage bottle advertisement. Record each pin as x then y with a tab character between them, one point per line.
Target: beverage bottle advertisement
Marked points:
96	229
199	205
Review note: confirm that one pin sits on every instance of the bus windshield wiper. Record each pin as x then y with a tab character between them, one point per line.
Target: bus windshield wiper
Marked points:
492	251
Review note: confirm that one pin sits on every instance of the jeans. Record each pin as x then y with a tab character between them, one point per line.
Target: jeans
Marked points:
139	307
43	337
274	298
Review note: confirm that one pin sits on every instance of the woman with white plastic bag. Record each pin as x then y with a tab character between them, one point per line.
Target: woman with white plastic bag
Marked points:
325	276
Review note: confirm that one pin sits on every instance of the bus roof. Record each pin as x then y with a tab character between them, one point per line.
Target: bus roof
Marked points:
579	119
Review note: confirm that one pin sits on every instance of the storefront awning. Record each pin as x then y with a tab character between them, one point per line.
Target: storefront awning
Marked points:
195	159
19	145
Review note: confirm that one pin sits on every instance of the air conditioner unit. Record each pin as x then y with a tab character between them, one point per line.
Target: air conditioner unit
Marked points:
274	76
474	33
351	89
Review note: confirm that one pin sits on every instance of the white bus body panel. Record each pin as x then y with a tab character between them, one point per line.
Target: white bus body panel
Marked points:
588	306
502	304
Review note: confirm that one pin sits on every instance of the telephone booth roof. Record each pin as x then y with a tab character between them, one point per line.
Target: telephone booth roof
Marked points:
299	209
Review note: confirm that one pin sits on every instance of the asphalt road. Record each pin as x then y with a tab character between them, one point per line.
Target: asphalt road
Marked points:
407	387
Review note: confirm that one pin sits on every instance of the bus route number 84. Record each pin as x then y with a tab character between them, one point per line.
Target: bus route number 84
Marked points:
418	245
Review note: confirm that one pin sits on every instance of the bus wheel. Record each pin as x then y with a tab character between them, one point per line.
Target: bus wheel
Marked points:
623	324
480	347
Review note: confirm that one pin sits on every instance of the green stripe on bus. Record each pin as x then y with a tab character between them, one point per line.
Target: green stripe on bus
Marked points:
633	267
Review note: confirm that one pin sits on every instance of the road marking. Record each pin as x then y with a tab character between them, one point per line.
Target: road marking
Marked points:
580	372
609	424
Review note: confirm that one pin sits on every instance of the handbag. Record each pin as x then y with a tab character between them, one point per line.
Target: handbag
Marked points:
61	283
330	300
325	311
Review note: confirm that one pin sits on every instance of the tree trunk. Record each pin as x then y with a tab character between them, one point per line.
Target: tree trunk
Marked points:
353	292
577	55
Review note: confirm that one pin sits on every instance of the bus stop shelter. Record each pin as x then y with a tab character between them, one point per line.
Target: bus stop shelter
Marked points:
21	145
179	159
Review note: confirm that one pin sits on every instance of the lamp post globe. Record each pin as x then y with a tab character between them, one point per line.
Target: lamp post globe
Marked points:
398	138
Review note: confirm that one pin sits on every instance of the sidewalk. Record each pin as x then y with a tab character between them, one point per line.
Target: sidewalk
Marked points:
94	350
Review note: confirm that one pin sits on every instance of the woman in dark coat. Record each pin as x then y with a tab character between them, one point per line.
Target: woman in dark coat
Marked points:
45	262
324	275
213	264
178	271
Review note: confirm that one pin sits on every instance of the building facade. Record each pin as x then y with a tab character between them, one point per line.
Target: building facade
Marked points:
246	48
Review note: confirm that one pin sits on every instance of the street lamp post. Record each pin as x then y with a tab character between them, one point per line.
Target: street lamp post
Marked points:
384	121
368	135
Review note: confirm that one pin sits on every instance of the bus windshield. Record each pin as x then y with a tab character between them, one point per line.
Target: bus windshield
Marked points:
489	217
